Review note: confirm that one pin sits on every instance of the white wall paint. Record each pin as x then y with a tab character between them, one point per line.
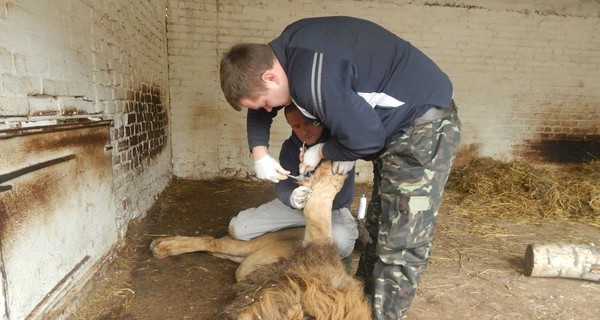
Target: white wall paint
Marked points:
67	59
3	314
514	65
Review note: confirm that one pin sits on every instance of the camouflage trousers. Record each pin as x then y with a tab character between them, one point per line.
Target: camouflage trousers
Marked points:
409	179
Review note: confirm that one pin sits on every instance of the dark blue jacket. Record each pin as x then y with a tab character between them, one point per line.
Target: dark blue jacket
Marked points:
359	80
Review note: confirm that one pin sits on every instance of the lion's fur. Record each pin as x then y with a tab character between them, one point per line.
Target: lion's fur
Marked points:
284	274
310	284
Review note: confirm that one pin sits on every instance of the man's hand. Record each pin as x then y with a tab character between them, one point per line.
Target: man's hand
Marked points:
342	167
299	197
268	168
311	158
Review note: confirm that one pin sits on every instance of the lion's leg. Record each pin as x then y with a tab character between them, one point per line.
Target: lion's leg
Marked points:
171	246
325	185
226	247
268	254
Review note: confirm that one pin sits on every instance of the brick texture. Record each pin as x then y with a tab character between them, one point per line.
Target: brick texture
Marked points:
103	59
525	73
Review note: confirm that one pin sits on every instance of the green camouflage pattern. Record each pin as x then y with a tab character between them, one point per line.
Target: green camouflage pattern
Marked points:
409	180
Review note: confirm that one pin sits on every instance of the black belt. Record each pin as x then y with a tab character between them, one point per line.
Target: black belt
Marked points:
435	113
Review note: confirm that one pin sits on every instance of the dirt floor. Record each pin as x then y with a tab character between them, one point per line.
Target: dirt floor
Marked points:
477	269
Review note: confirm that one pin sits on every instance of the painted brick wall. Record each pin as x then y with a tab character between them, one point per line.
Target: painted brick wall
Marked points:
103	59
76	60
130	60
526	74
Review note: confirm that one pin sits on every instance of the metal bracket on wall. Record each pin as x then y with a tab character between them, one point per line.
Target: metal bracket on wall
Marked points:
17	173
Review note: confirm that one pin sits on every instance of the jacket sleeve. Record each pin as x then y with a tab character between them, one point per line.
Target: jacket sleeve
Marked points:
258	126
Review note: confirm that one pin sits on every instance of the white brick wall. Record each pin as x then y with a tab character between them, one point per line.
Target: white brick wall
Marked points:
101	59
94	57
508	60
515	65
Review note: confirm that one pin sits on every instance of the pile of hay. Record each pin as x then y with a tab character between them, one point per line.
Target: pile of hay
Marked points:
488	187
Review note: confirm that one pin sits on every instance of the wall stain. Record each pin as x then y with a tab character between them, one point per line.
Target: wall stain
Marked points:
563	149
35	196
466	154
144	135
452	5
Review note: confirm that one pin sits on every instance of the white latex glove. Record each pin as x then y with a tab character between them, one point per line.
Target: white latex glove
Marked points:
342	167
311	158
268	168
299	197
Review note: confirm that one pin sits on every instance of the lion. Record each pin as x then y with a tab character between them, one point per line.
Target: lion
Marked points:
287	274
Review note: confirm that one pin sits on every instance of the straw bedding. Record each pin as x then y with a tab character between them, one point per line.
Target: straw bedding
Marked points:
519	190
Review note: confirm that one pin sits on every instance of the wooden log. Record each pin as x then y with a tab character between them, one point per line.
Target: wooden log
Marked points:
563	261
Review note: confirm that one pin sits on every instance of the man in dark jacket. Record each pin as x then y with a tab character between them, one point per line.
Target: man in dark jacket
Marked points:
382	100
286	210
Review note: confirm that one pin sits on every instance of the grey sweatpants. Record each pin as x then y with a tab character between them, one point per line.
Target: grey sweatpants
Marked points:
275	215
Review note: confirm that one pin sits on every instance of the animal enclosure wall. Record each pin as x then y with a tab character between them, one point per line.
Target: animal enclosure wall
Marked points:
70	64
57	211
525	73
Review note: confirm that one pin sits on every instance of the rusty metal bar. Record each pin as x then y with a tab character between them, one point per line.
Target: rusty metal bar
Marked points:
16	132
17	173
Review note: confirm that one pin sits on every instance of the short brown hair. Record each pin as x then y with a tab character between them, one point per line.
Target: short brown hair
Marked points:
289	108
241	72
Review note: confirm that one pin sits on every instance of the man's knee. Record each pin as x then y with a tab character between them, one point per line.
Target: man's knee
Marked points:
234	229
345	231
345	248
345	238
